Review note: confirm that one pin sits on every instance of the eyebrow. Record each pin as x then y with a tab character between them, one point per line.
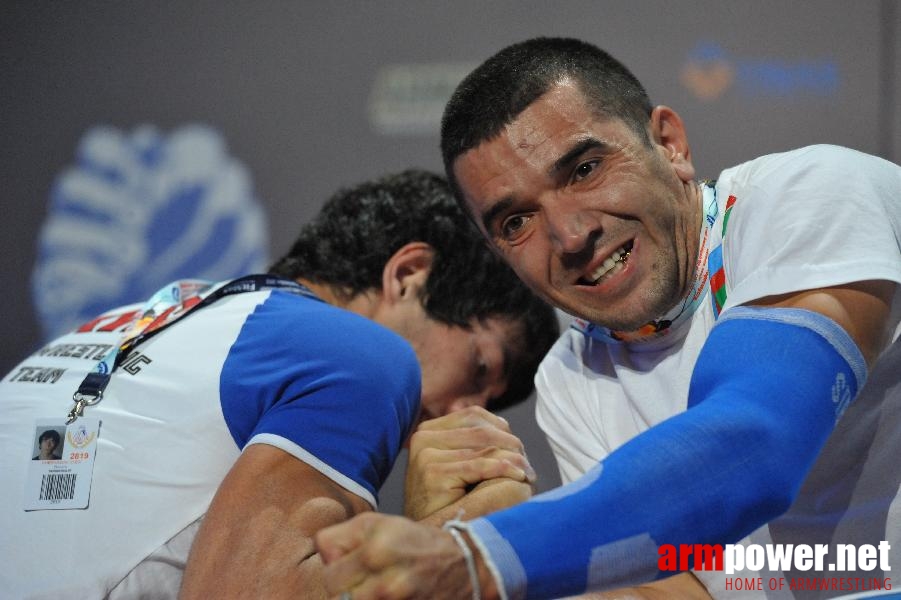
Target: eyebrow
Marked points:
576	150
497	208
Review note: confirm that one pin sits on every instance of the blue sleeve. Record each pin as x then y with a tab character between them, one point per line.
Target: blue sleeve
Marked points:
330	387
765	394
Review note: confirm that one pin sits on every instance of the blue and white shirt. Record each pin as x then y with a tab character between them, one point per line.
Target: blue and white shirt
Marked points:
330	387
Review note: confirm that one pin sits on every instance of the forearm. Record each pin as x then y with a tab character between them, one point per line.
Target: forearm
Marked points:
709	475
684	586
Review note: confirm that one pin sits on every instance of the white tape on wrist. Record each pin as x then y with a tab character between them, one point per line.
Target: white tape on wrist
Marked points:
453	528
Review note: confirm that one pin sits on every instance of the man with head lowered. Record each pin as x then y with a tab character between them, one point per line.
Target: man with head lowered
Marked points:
245	416
731	372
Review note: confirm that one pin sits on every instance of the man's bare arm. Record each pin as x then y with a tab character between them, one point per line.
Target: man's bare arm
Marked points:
256	539
860	308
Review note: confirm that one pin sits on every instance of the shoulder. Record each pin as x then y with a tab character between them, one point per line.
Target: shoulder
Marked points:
300	333
822	166
306	359
814	217
284	313
807	184
814	154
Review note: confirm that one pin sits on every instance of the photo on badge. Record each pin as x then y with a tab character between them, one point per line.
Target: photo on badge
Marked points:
62	464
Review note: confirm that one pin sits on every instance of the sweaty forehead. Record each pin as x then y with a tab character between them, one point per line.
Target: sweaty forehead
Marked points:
494	168
536	138
560	104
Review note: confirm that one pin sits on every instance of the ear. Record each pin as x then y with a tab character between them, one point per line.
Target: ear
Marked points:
668	131
406	272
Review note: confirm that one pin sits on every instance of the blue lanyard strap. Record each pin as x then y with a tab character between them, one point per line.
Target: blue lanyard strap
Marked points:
167	306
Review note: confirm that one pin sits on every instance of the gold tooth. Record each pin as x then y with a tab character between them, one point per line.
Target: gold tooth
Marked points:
620	260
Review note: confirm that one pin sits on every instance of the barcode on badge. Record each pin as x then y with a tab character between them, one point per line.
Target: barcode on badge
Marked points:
58	486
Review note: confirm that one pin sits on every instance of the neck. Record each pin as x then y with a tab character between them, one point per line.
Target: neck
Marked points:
363	304
698	226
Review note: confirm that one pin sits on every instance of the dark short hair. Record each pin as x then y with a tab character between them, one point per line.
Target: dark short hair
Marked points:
347	245
497	91
50	433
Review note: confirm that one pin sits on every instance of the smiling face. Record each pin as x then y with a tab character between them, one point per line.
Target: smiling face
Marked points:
592	217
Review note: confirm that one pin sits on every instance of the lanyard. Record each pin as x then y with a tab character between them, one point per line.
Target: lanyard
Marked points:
167	306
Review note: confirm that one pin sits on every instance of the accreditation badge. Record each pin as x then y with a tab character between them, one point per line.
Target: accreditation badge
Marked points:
61	464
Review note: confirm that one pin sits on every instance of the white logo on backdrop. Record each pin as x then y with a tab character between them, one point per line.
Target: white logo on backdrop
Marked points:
409	99
138	210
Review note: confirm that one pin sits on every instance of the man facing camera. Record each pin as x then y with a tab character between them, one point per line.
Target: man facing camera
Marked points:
733	375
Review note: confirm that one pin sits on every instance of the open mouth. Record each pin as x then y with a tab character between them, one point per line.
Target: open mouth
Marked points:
616	259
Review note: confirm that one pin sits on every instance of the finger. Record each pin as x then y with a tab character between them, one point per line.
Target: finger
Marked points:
342	548
391	584
469	437
495	494
421	459
471	416
517	460
430	455
338	540
386	538
344	573
415	563
463	474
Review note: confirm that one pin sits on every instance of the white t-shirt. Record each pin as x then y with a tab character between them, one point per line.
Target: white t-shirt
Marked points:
814	217
335	390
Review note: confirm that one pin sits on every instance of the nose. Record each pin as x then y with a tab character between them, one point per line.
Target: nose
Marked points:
571	230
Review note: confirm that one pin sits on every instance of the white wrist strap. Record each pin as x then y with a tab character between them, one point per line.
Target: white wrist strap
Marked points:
452	527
